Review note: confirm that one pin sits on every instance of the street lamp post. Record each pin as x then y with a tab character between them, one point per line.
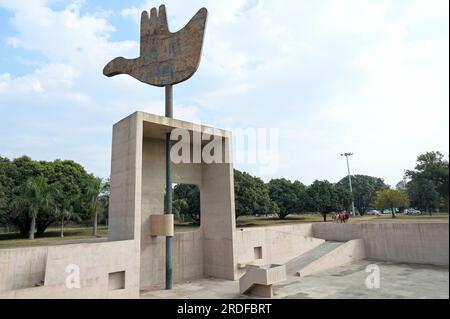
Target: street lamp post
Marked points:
350	180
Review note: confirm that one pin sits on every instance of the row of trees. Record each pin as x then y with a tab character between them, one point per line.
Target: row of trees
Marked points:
427	185
425	188
279	196
37	194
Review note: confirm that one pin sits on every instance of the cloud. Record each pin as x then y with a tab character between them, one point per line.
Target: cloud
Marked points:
369	77
66	95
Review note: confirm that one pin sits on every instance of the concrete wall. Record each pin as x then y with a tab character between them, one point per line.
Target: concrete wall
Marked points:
213	244
126	162
187	259
22	267
279	243
397	242
96	261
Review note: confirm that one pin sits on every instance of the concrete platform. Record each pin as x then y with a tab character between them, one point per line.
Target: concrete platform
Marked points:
397	281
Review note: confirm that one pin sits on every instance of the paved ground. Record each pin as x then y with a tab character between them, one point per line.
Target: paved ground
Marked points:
396	281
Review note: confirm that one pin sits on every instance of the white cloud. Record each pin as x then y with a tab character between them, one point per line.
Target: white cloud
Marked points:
364	76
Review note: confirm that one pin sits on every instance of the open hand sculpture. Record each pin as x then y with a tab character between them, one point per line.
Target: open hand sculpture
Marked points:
166	58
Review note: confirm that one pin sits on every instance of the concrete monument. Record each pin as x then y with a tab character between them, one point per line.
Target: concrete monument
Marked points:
165	59
142	247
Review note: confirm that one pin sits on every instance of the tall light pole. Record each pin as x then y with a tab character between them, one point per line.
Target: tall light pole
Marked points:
350	181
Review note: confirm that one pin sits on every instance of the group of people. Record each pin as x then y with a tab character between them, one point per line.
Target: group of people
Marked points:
340	217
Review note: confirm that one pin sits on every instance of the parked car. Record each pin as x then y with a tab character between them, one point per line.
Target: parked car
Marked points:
412	211
373	212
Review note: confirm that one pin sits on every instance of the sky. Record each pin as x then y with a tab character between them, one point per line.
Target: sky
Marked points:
330	76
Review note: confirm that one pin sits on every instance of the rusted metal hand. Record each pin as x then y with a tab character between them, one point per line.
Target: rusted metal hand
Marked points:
166	58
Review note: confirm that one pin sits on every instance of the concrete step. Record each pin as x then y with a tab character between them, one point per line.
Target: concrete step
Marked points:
300	262
260	278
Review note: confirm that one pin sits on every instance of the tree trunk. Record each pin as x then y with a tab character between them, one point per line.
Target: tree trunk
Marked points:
41	227
62	226
324	217
32	228
94	228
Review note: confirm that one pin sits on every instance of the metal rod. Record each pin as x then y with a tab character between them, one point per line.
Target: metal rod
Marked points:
349	176
169	257
350	184
169	101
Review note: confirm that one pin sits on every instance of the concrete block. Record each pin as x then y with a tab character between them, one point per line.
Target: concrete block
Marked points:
258	280
161	225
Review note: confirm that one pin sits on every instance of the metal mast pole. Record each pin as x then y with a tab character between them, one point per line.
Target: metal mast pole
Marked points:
169	113
350	181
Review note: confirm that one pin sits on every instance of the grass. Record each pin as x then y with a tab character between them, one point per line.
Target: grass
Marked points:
51	236
186	227
252	221
82	234
435	218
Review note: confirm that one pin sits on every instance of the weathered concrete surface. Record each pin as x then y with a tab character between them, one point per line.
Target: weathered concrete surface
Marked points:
137	192
162	225
299	262
279	244
397	242
22	267
348	281
126	180
258	280
346	253
95	261
397	281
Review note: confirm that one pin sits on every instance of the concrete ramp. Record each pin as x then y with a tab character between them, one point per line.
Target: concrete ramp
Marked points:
326	256
307	258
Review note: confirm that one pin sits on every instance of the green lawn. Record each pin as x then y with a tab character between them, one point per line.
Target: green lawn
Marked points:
52	237
81	234
435	218
251	221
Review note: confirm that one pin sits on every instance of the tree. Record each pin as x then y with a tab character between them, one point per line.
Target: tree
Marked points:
180	209
3	216
36	197
365	189
431	168
392	199
93	191
423	194
190	194
290	197
326	197
252	195
63	205
70	186
104	198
